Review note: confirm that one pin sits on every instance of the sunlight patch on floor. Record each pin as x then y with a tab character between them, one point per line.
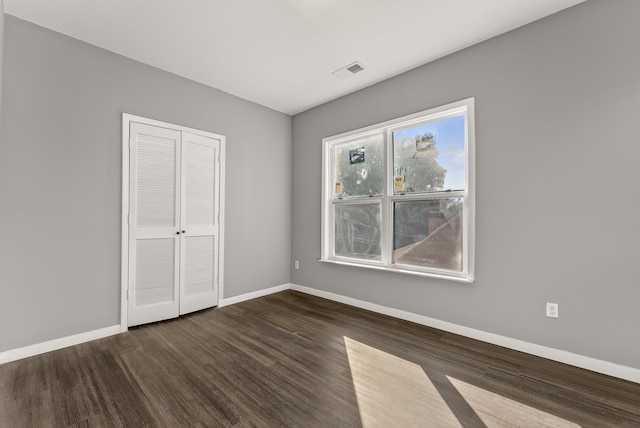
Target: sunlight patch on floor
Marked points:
393	392
498	411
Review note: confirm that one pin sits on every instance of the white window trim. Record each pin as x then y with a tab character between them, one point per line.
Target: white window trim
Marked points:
327	242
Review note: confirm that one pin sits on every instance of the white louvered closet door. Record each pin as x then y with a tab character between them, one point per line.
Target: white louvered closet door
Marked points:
154	223
173	223
200	197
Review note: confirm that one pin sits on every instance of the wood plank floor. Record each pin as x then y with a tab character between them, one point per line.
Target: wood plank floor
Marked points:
293	360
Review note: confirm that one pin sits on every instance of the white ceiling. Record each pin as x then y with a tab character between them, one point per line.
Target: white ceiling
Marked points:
281	53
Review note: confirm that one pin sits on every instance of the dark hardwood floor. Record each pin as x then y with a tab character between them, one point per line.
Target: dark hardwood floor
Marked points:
292	360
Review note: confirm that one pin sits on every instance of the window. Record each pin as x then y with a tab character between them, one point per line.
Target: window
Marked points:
399	195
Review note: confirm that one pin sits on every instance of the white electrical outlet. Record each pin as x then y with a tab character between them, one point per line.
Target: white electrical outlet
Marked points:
552	310
296	264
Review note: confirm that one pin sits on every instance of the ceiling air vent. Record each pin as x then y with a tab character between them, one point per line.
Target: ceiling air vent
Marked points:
349	70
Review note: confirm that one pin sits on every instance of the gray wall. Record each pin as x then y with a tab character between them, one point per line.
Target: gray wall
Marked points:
558	165
60	181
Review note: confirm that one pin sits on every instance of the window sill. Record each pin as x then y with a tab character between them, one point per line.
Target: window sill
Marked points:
399	269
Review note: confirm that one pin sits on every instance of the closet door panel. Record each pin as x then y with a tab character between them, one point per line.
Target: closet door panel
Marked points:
199	181
155	273
154	222
199	273
155	181
199	213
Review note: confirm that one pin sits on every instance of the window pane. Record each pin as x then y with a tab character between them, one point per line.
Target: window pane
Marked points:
359	167
357	231
428	233
430	157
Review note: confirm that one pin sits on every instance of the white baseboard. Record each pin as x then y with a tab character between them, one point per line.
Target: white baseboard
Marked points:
252	295
605	367
54	345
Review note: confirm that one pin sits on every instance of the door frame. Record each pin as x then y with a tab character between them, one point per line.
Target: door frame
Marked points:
124	275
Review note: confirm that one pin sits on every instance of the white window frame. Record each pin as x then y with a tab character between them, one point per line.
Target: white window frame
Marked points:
464	107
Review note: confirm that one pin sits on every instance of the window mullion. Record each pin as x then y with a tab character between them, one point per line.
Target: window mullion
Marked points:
387	205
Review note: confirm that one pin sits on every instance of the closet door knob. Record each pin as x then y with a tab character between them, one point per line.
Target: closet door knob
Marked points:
178	233
183	231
